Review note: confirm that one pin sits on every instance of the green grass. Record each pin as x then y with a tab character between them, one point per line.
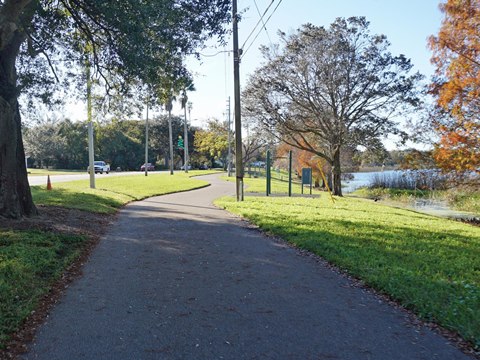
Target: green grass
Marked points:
464	200
44	172
112	192
31	261
278	186
430	265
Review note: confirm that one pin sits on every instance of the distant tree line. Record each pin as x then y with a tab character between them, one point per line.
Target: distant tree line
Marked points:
121	143
62	144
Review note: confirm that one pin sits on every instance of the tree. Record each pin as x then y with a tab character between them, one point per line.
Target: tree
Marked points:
160	130
213	141
121	143
327	88
254	143
124	40
456	87
42	142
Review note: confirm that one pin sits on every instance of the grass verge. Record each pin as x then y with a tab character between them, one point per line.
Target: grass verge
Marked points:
113	192
45	172
32	261
278	186
429	265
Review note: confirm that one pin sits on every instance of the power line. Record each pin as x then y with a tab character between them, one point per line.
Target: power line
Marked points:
215	54
258	22
274	10
258	10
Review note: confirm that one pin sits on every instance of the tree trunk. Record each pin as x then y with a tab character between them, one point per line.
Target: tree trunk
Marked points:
15	196
336	174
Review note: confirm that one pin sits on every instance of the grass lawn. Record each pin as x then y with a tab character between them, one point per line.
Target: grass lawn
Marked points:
278	186
31	261
45	172
430	265
112	192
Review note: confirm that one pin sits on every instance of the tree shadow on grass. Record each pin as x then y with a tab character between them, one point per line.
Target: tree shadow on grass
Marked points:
433	272
75	200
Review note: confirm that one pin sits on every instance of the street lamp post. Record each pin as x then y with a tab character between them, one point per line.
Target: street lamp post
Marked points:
185	132
91	156
170	136
146	140
229	156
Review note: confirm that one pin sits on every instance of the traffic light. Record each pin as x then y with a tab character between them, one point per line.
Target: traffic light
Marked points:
180	142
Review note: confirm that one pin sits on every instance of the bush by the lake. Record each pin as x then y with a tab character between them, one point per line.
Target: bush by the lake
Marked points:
409	180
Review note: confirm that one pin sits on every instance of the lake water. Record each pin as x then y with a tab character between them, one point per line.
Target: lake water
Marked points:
362	179
428	206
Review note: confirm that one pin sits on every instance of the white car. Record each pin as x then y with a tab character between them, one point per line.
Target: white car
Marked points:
100	167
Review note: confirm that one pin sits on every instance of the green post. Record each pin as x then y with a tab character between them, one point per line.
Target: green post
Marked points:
290	173
267	165
311	180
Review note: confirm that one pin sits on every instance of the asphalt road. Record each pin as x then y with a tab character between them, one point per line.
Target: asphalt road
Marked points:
42	179
177	278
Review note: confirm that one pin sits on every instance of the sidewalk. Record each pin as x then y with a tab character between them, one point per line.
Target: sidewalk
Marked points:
177	278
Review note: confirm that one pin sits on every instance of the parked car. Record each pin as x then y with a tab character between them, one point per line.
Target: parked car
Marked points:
100	167
189	167
150	167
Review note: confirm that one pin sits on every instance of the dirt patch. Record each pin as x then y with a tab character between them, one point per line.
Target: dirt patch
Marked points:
62	220
58	220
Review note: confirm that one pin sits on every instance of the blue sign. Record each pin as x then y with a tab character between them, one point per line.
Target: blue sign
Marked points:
306	176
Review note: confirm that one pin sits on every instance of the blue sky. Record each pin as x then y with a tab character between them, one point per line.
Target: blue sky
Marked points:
406	23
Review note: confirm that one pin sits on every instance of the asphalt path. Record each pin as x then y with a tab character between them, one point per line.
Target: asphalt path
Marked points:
177	278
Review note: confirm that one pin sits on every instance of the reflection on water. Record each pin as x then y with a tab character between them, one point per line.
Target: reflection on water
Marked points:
361	179
429	206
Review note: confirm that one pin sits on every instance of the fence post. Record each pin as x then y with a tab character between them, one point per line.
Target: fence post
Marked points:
290	173
267	165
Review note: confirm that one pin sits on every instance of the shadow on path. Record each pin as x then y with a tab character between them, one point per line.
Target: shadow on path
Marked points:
177	278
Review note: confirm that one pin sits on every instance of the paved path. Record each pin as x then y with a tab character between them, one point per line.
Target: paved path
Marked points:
177	278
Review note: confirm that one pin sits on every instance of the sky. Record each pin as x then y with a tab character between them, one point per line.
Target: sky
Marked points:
406	23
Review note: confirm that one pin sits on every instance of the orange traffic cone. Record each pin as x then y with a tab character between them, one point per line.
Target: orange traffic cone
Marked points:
49	184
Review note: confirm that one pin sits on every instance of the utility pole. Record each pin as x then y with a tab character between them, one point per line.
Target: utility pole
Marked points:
185	133
229	158
146	139
238	123
91	156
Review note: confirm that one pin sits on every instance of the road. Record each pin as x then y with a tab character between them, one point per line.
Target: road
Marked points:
178	278
42	180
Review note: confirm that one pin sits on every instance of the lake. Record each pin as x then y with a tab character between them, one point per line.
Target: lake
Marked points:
429	206
361	179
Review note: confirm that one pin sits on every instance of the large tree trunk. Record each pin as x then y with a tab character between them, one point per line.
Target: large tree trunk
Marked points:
15	196
336	174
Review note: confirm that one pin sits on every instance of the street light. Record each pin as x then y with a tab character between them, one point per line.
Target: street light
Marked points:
168	107
185	130
91	156
146	140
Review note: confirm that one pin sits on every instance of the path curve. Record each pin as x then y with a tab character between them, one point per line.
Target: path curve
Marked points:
177	278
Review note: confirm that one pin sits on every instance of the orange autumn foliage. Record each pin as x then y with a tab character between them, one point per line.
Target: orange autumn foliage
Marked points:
305	159
456	54
459	150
